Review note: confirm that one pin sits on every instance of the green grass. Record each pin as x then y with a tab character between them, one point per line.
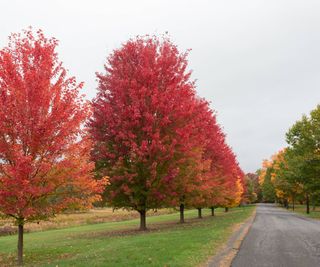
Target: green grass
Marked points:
301	209
167	243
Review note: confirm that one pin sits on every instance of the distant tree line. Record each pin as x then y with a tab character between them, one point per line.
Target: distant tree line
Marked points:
293	174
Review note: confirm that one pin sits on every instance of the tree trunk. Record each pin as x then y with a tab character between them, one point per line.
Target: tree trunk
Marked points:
308	204
212	211
313	203
20	244
292	202
226	209
143	225
199	213
181	213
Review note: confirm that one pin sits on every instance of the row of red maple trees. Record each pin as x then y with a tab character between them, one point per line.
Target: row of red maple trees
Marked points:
146	141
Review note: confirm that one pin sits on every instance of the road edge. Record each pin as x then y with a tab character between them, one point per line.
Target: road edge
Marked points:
227	253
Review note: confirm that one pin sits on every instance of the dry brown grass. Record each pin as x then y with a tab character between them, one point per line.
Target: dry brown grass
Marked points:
78	218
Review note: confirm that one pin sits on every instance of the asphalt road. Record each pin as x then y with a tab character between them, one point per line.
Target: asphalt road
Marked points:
280	238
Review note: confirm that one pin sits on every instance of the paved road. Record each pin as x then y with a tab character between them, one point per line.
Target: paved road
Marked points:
280	238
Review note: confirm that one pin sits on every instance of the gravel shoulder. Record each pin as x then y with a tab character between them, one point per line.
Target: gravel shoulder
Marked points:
226	253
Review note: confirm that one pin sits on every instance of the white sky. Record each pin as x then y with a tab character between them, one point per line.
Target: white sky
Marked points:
258	62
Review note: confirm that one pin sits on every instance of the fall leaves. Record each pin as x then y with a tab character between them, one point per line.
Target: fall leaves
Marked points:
44	157
155	139
146	141
161	146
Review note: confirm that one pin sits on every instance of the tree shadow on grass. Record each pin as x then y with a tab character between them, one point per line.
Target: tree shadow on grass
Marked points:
152	228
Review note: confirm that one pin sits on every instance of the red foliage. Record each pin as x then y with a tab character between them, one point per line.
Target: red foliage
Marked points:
44	155
143	121
159	143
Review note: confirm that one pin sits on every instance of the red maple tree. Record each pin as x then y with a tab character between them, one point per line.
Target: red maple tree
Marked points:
192	184
44	155
142	123
221	181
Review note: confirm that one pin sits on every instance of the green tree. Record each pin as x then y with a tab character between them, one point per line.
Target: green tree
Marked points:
252	187
285	178
304	149
268	190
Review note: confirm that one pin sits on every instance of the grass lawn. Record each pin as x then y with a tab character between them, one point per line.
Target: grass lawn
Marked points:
167	243
301	209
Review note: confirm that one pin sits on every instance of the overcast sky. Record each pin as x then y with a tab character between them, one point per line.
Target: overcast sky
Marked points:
257	62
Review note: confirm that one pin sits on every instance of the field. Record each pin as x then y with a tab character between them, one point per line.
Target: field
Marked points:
166	243
79	218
